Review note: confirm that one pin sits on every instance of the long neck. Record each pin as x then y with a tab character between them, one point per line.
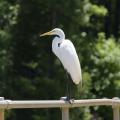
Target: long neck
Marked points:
56	41
60	37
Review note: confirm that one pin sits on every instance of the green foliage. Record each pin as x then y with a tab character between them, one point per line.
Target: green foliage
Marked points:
108	52
98	10
28	68
105	73
107	58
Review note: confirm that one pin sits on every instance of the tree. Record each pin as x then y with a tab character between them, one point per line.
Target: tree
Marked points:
29	70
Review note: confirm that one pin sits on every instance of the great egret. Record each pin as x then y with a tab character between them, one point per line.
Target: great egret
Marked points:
65	51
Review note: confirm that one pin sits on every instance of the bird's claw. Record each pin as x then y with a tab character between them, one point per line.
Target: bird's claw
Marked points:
71	101
68	99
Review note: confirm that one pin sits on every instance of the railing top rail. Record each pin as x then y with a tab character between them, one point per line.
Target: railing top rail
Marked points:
9	104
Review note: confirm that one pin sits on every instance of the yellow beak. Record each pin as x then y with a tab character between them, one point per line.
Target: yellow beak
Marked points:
47	33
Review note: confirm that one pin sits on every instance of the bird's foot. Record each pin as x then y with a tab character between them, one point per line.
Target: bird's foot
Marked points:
68	99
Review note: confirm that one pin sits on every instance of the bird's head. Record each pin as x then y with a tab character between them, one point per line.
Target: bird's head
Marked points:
56	32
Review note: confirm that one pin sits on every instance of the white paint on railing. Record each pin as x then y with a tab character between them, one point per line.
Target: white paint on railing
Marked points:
9	104
64	105
1	110
65	113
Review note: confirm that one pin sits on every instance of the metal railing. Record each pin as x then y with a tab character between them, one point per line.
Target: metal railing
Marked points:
64	105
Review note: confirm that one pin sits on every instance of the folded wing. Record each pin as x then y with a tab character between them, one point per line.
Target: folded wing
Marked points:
68	56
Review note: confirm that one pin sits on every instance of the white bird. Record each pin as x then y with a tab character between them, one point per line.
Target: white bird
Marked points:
65	51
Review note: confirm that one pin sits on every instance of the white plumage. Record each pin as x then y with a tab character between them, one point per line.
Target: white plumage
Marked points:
65	51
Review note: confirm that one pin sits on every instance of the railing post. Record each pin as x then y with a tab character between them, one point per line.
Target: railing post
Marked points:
65	113
1	110
65	110
116	115
116	112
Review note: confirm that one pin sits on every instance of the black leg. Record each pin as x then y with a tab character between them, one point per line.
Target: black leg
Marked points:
68	87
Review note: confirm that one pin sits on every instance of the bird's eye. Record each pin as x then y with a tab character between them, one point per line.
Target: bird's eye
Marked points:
57	36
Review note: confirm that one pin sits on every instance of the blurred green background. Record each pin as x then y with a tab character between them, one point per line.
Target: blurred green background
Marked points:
30	71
